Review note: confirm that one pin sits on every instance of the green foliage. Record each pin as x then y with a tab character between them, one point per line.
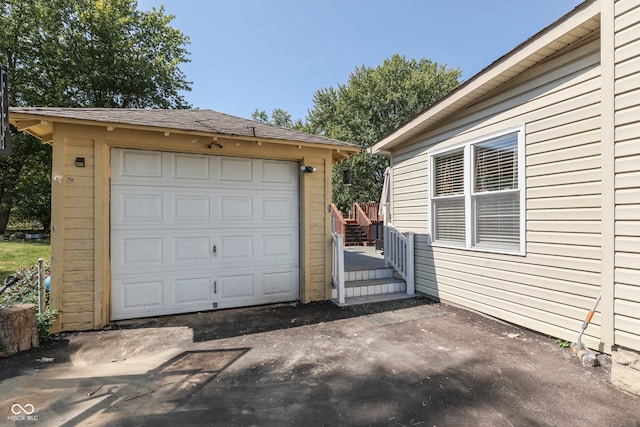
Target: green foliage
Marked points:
279	117
92	53
44	320
367	176
30	197
373	103
80	53
25	183
15	254
562	343
25	291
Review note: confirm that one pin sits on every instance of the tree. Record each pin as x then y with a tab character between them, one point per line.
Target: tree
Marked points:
373	103
30	196
279	117
81	53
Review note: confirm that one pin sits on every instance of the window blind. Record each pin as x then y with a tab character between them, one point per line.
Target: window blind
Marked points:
497	221
496	215
496	164
449	204
449	174
449	220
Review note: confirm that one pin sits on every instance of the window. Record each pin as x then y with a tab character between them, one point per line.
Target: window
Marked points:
448	203
477	196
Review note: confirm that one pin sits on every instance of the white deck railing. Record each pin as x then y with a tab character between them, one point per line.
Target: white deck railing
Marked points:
398	251
337	243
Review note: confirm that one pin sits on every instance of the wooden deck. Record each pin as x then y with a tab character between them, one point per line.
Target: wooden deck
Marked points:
362	257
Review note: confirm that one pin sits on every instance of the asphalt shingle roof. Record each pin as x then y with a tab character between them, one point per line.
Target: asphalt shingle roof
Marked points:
207	121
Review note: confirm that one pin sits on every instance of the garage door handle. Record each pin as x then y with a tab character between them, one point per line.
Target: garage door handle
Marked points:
214	250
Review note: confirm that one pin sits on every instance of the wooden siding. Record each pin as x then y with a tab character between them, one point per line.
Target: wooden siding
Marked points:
627	175
317	277
80	214
554	284
77	298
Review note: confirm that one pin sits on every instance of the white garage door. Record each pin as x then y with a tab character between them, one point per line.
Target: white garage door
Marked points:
196	232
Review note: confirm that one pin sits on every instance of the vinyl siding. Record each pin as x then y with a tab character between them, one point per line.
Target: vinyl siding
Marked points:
627	175
553	285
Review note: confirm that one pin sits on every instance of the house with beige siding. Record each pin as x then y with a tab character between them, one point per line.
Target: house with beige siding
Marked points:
173	211
522	186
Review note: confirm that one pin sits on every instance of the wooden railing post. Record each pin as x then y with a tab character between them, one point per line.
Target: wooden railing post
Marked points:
338	222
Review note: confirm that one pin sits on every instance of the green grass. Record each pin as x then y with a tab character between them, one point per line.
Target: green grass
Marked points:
16	254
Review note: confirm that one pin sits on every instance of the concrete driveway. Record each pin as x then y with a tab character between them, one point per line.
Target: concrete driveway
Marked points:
408	362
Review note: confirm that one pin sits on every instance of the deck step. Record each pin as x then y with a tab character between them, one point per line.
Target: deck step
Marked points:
374	285
370	299
368	274
373	282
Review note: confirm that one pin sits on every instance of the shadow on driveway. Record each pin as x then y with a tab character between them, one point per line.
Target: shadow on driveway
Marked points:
219	324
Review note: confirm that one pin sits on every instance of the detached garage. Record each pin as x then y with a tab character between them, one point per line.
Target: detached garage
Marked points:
160	212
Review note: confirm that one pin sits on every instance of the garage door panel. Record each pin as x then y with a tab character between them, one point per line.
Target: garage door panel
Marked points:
280	283
279	246
192	249
138	207
193	290
168	217
236	208
235	169
136	251
236	248
191	208
272	285
136	163
235	286
277	208
144	296
261	247
138	295
186	166
276	172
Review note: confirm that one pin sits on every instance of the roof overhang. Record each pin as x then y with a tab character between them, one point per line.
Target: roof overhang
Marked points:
38	127
41	126
580	22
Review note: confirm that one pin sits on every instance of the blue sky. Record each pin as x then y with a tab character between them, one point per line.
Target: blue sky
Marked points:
266	54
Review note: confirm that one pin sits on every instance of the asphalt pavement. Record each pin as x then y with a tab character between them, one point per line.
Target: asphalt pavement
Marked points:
406	363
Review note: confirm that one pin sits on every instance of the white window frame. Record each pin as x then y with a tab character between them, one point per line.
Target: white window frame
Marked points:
469	195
